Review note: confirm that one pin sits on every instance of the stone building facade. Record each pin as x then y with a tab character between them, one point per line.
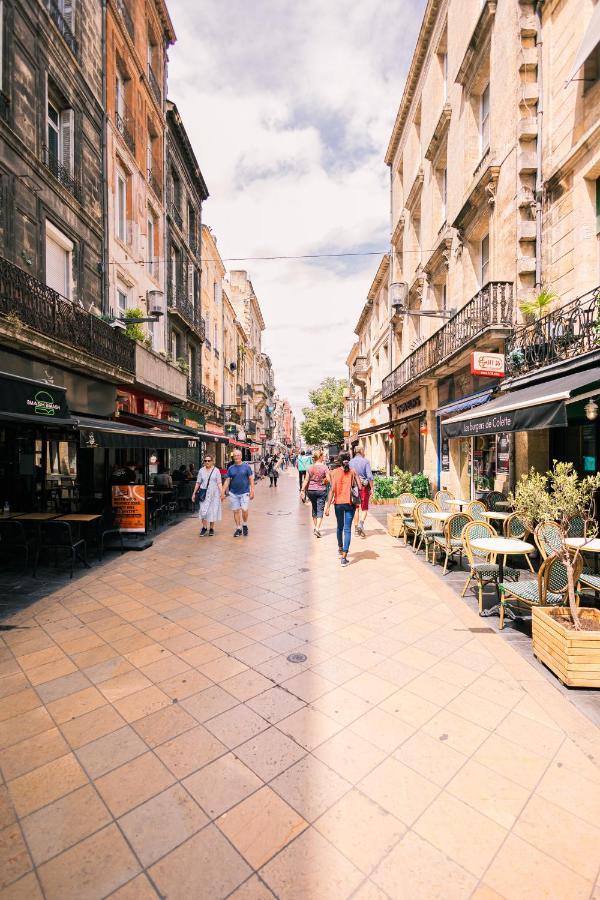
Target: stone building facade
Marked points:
213	272
245	302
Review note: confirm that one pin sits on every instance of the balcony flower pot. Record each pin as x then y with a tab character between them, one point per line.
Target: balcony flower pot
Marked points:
573	656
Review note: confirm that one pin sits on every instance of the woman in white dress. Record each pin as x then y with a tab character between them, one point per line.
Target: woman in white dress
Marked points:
209	480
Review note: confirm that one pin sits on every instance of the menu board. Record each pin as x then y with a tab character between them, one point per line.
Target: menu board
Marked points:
129	506
502	454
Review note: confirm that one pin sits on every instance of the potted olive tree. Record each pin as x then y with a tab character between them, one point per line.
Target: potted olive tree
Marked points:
566	640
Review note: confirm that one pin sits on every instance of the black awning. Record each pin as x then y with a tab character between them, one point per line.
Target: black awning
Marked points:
165	425
374	429
33	402
107	433
536	406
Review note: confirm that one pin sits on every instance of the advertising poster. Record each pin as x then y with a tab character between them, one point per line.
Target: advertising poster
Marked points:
445	455
502	454
129	507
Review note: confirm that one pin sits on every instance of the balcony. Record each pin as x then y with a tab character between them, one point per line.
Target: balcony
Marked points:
154	85
360	368
35	305
60	172
126	16
62	25
565	333
154	183
154	372
176	215
251	426
123	124
232	414
181	305
491	307
199	393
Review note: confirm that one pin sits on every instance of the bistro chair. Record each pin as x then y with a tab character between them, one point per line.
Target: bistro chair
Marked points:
408	519
58	536
548	538
550	588
14	538
441	498
425	531
450	542
494	497
589	580
476	509
515	528
482	563
577	526
108	528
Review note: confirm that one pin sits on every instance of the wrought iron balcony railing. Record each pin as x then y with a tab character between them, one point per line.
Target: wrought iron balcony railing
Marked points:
185	307
176	215
491	306
125	129
249	390
153	81
37	306
199	393
154	183
251	426
62	25
60	172
566	332
126	15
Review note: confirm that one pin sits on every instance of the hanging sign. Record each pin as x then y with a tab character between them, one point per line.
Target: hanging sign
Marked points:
129	506
490	364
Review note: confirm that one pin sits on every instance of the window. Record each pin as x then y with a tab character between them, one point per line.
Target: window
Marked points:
444	192
120	96
121	206
444	67
59	257
151	247
484	256
216	342
191	226
597	205
484	120
591	69
59	139
174	271
121	299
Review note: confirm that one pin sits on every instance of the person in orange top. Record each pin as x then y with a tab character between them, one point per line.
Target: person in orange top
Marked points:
342	480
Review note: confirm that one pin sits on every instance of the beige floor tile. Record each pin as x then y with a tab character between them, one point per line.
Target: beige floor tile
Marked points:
269	753
32	753
448	822
24	726
414	870
236	726
514	762
148	654
308	727
531	735
310	787
29	661
337	670
108	752
221	669
91	726
199	656
415	658
123	685
275	704
254	654
433	689
520	872
431	757
165	668
476	709
51	670
399	789
76	704
246	685
139	888
453	673
133	783
458	733
142	704
350	755
162	823
311	867
7	811
61	688
163	725
186	684
253	889
222	784
261	826
209	703
360	829
190	751
94	656
308	686
45	784
576	844
17	704
93	868
63	823
26	888
14	856
410	708
382	729
206	865
489	793
109	668
342	706
371	687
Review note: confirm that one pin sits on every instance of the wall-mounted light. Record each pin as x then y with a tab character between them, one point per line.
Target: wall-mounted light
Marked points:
591	410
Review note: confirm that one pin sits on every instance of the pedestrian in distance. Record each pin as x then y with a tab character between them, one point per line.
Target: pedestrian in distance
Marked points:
362	467
272	470
208	487
304	461
239	484
345	496
315	488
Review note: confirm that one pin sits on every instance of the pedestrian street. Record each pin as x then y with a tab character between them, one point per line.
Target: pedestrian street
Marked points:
242	717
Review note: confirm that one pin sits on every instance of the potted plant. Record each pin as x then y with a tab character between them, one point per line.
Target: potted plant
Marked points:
567	640
420	486
536	308
183	365
134	330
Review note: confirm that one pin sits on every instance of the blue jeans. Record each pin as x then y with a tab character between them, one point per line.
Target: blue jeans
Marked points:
344	513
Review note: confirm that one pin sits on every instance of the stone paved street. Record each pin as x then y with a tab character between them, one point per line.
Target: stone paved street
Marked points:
156	741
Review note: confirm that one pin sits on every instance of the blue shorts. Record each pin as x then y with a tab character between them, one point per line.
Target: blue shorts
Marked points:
239	501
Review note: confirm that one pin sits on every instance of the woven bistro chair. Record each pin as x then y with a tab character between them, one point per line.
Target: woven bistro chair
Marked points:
515	527
548	538
550	588
441	498
589	580
408	519
475	509
483	566
424	528
450	542
493	497
577	526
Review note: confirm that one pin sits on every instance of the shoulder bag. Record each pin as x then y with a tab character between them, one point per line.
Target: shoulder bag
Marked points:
203	491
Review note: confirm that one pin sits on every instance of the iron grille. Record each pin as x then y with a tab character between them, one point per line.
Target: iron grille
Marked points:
62	25
125	130
154	183
154	84
60	171
199	393
176	215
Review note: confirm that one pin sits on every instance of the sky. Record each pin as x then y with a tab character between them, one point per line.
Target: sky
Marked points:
289	107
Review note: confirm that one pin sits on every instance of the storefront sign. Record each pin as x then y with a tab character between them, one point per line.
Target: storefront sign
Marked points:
231	429
546	415
413	403
490	364
445	455
184	417
422	425
502	454
31	398
129	506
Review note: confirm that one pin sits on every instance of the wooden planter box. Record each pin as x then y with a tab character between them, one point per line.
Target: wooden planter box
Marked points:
574	656
388	501
394	524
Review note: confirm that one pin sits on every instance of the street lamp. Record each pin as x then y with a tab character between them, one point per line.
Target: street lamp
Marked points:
591	410
399	294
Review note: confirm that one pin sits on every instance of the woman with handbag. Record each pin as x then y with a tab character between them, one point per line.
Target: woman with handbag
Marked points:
345	495
208	489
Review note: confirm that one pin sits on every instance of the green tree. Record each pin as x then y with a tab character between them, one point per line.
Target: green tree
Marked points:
323	420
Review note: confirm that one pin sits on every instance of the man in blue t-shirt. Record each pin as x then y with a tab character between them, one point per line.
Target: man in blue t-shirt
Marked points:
239	483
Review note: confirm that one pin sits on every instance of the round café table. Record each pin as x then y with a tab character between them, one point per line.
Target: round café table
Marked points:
457	501
438	516
493	517
586	545
501	547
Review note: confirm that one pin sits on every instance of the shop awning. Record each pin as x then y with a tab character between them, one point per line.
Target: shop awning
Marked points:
33	402
450	409
107	433
170	427
590	41
530	408
374	429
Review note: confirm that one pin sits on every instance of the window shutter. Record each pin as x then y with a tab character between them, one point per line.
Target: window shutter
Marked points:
190	282
57	261
66	140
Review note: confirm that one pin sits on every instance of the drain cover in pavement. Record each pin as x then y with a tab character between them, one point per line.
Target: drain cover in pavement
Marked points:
297	657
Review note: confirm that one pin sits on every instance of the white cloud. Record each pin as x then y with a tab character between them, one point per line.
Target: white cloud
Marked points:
289	107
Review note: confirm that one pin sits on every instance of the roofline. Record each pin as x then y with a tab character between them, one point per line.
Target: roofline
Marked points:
207	233
165	20
380	274
175	121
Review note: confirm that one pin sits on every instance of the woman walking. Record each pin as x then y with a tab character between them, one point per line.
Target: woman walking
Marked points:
344	483
272	470
315	488
208	486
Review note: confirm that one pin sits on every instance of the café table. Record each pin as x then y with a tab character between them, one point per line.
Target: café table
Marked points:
79	517
11	515
457	501
501	547
437	516
407	507
37	516
505	504
493	517
586	545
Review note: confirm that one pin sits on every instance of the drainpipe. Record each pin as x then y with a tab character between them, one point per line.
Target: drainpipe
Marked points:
539	180
105	301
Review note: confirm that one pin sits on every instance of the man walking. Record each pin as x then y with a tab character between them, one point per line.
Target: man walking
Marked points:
239	484
304	461
362	467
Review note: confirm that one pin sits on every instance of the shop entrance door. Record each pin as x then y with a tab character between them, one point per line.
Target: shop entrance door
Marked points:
464	467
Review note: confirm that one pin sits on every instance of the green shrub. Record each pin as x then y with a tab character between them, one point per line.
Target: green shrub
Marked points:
402	482
134	331
383	487
420	486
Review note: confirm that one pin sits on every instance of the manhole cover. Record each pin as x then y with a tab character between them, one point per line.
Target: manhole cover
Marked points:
297	657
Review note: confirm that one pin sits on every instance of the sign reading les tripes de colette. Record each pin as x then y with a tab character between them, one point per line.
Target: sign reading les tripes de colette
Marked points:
490	364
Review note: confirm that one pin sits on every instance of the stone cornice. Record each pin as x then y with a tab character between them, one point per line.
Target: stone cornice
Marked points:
440	131
415	190
481	32
364	314
482	190
398	229
380	276
441	252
